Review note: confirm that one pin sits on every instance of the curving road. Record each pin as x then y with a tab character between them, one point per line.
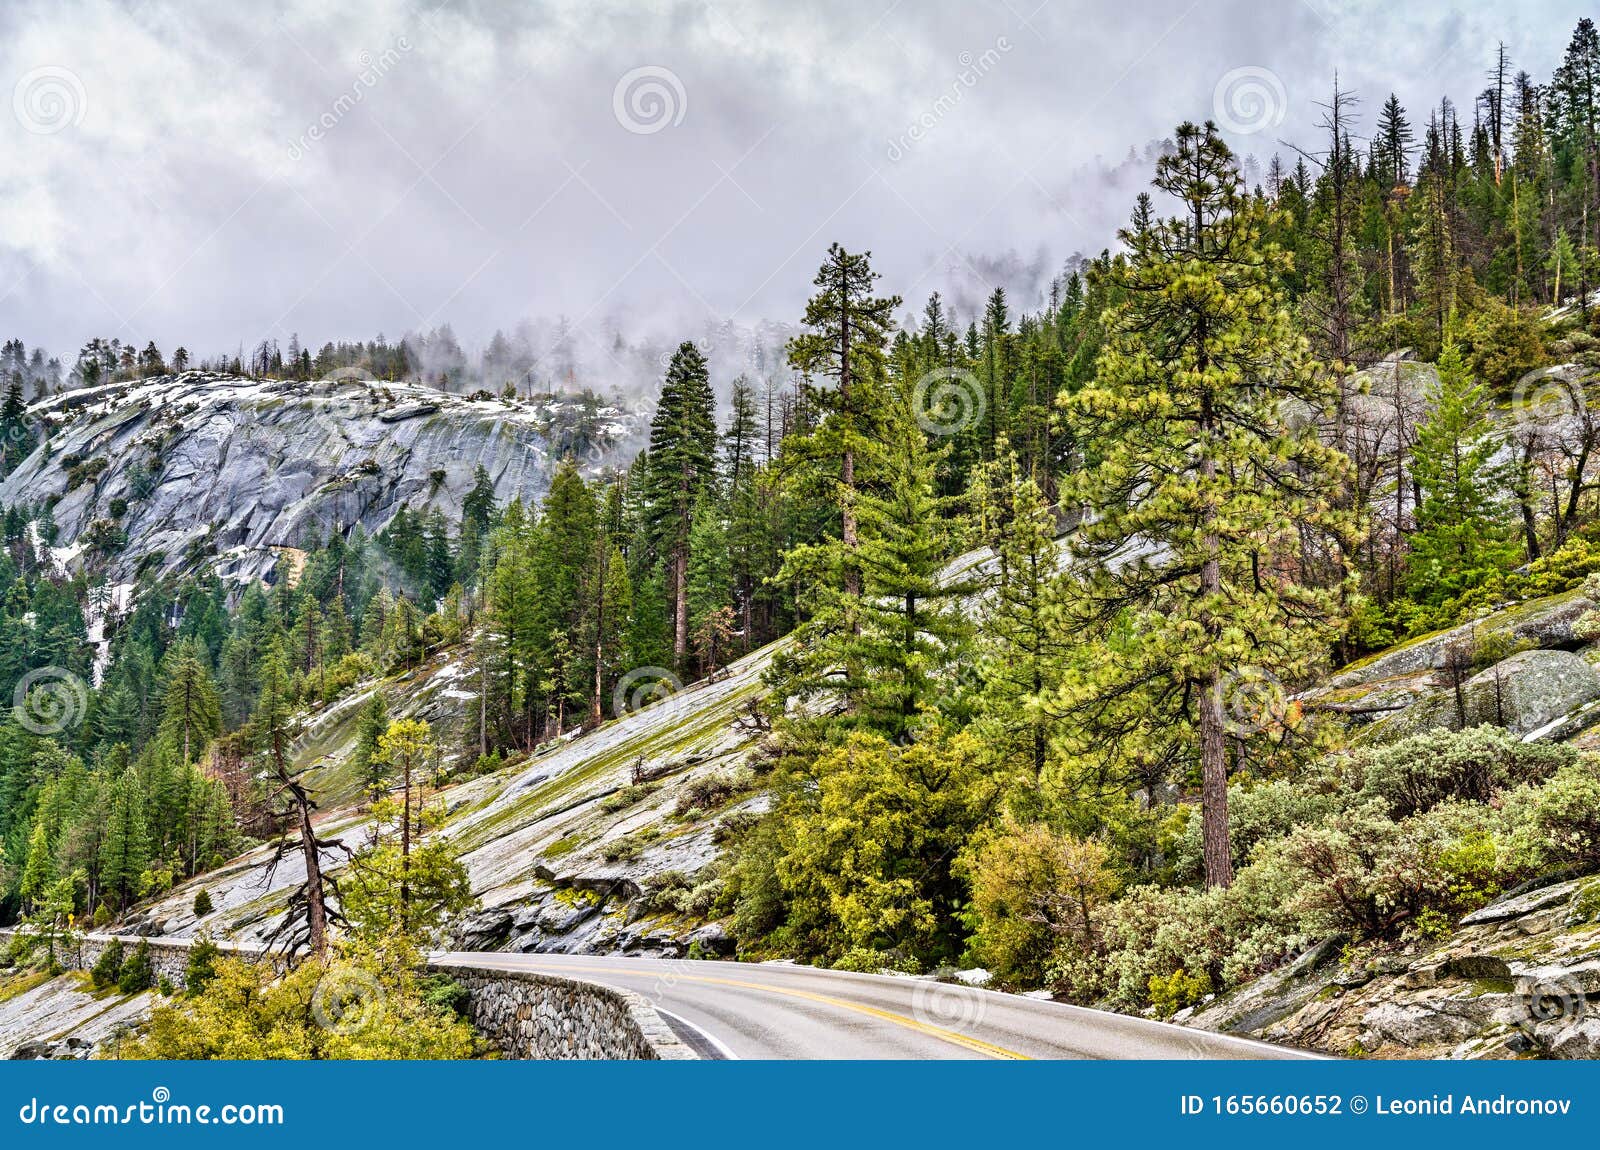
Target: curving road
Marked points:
745	1010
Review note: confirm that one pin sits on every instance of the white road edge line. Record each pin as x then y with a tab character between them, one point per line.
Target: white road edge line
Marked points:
721	1047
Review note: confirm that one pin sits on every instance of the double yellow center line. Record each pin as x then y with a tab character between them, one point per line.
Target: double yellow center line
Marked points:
966	1042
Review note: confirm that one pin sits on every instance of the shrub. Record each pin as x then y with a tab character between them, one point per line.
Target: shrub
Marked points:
865	960
1417	773
102	916
202	965
250	1011
443	993
627	796
1224	935
1361	871
1170	993
107	969
1256	815
138	973
673	892
1559	823
1034	891
710	791
1502	344
202	903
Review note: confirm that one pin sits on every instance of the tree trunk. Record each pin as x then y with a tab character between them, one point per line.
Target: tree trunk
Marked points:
680	608
316	903
1216	850
405	847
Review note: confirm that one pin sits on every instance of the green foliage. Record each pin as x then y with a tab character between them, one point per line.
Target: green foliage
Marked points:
1035	893
1201	473
1462	537
107	969
1558	824
358	1003
138	971
1363	872
1170	993
385	893
202	903
864	850
1256	814
201	966
1418	773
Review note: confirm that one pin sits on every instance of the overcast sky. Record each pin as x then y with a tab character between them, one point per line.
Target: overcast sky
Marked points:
213	174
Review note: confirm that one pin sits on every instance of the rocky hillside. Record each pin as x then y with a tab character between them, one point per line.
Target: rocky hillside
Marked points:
1518	978
594	843
172	470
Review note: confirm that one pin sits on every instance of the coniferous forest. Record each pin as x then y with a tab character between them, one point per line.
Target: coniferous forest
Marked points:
1061	599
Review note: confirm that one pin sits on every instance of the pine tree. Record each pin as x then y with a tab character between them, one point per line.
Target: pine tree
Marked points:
39	871
1199	482
125	853
613	611
370	726
710	583
888	652
191	712
682	466
1019	626
1562	262
848	330
1463	535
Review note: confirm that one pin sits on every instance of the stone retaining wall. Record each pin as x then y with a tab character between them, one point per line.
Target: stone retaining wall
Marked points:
526	1015
169	957
530	1015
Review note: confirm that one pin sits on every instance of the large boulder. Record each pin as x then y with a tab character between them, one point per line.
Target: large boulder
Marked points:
1532	690
1543	623
1539	695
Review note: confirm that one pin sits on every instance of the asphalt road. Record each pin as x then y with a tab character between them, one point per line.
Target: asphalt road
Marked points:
744	1010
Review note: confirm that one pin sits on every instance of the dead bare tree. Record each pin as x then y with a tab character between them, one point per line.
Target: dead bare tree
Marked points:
310	911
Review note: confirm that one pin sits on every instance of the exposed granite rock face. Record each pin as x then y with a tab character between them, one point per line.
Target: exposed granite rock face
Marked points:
1542	623
1520	978
562	848
1540	695
63	1018
215	464
1543	691
529	1015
